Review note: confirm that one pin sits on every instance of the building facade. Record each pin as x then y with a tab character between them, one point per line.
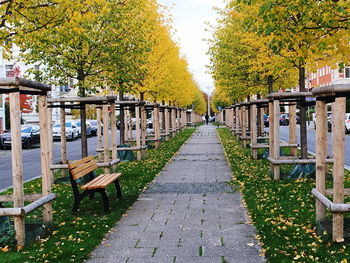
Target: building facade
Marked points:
326	76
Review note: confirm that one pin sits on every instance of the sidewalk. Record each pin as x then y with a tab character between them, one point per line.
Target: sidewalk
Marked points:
188	214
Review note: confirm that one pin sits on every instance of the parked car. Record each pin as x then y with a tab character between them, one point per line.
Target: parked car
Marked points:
93	124
88	129
30	135
284	119
329	123
71	131
347	123
266	120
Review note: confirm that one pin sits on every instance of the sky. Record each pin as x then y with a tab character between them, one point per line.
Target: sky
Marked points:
189	17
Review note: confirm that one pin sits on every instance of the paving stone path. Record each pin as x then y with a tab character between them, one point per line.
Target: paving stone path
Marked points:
188	214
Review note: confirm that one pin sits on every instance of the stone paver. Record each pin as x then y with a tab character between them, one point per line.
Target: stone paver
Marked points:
188	214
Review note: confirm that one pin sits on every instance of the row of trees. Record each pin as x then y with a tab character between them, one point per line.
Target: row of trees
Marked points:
108	46
264	45
122	46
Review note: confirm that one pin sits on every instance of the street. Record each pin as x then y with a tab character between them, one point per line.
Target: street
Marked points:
311	141
31	159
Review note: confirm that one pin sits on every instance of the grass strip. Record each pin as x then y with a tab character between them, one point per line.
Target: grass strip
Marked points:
74	235
282	211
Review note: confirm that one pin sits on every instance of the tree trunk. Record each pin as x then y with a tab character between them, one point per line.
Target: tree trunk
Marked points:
84	146
121	119
259	119
303	131
270	83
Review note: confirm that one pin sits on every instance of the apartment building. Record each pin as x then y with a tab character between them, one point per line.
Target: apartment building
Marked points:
327	76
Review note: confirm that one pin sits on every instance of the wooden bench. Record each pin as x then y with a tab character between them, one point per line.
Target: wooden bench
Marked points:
86	166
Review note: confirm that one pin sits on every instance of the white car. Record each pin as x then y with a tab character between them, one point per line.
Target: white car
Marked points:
347	122
71	131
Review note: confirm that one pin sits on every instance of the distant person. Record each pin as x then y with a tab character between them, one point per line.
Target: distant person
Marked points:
207	118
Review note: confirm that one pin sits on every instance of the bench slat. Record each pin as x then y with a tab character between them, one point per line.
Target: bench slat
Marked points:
80	162
101	181
87	185
110	178
83	167
89	169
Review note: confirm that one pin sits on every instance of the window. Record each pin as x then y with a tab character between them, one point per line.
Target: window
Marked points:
67	87
9	70
347	73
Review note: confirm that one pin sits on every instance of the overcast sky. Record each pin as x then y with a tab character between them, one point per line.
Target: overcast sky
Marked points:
189	18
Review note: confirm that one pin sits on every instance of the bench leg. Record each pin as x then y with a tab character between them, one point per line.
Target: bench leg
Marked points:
117	187
104	198
76	204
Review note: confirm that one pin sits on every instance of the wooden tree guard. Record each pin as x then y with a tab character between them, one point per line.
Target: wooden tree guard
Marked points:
253	134
63	139
173	120
50	141
99	134
143	129
293	130
156	126
338	94
130	125
167	124
244	126
126	126
114	134
238	123
271	134
15	87
105	137
75	103
138	138
291	99
276	134
254	145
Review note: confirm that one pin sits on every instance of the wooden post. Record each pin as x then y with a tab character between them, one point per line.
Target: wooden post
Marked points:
177	110
173	119
156	126
293	129
63	138
143	128
326	136
113	133
338	138
192	118
17	166
276	133
105	137
99	137
45	156
50	138
130	125
244	127
262	122
271	134
167	130
253	132
321	133
138	142
126	126
237	123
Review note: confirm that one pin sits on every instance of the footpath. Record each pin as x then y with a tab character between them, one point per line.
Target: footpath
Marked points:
187	214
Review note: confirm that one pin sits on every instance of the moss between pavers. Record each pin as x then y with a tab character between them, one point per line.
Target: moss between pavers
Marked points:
283	212
74	236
